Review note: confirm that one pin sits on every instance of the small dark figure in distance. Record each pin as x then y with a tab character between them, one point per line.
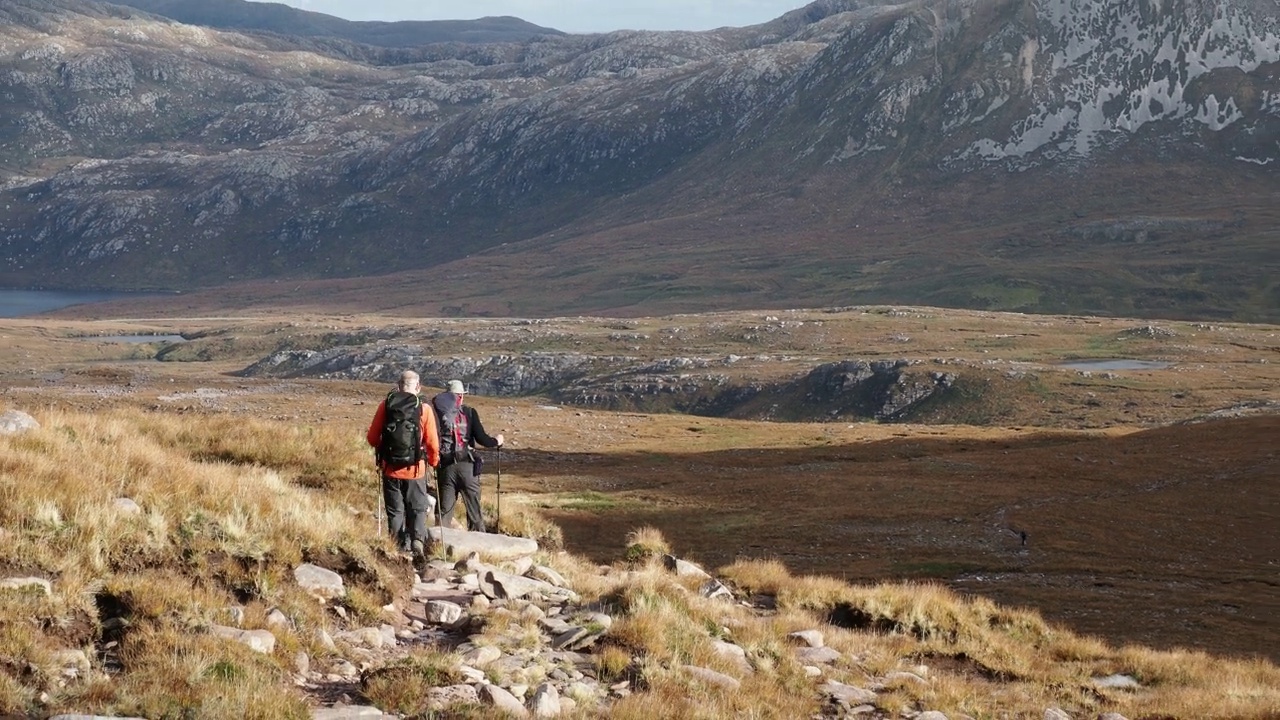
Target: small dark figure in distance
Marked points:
404	433
460	430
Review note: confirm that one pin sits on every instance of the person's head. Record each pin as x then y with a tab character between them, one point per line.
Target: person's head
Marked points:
457	388
408	382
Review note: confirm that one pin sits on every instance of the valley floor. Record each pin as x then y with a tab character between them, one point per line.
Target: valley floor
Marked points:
1149	531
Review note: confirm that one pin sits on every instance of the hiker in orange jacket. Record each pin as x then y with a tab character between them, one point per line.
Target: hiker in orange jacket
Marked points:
403	454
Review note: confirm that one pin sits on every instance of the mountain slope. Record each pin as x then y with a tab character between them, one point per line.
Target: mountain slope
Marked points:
286	20
1100	157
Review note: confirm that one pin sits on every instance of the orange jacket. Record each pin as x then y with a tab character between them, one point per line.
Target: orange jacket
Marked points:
430	440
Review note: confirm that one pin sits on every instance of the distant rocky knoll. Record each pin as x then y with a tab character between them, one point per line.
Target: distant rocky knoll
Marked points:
1097	156
848	390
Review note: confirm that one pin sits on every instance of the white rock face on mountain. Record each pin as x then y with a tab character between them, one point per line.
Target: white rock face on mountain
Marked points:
1102	69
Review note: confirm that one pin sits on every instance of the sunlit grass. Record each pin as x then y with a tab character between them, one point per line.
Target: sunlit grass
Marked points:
227	509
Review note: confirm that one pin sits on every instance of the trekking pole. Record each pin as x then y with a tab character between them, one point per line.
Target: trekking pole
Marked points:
439	504
499	523
382	511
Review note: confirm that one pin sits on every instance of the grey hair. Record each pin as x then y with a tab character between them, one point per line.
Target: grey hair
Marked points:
408	379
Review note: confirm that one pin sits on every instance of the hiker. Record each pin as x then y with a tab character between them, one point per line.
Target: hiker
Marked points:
404	434
460	430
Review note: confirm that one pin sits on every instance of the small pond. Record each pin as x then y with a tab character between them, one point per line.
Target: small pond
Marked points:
20	303
1116	364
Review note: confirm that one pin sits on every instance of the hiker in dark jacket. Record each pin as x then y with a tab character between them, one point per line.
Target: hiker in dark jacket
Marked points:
460	430
404	484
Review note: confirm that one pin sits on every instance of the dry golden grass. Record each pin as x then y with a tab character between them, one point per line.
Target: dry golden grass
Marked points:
228	508
644	544
992	659
222	524
402	686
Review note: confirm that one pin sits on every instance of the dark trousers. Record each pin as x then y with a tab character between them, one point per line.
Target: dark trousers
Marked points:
458	479
408	504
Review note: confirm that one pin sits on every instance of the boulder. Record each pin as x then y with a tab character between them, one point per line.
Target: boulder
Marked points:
711	677
816	656
13	422
547	575
258	640
734	654
443	612
481	656
545	702
322	583
684	568
808	638
716	590
502	700
505	586
440	699
846	695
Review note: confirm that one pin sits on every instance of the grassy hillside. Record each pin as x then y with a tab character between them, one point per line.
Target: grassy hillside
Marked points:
229	506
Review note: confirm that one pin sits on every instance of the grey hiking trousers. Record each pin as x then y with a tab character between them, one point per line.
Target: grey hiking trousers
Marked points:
459	479
408	506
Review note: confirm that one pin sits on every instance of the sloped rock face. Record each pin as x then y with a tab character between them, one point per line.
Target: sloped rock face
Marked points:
879	389
219	156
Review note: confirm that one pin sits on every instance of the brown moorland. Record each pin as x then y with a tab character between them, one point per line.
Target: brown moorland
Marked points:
1147	498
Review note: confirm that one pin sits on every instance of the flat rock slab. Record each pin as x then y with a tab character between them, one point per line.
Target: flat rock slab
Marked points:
459	543
349	712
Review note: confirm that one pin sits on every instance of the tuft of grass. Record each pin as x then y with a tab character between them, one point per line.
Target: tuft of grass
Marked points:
645	544
402	686
521	520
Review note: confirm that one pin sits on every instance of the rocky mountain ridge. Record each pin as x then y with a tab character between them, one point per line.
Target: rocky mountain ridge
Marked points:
1112	157
281	19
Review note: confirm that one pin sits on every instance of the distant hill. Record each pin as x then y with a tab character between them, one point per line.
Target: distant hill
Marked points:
286	20
1100	157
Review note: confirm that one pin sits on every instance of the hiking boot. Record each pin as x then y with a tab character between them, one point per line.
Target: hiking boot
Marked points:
419	550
